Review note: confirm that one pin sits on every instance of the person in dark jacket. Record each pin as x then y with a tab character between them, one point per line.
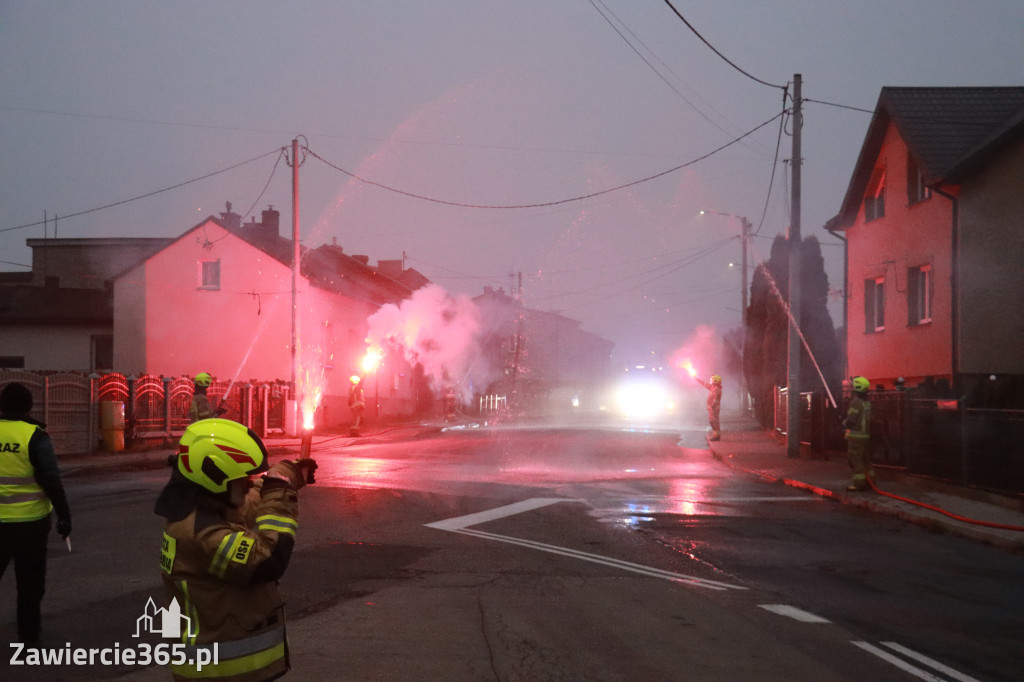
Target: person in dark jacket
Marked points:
30	491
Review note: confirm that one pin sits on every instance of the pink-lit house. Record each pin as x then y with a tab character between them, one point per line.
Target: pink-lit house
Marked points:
218	299
934	222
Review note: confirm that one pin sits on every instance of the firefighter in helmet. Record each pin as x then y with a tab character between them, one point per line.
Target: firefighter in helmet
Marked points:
857	423
227	541
714	405
356	403
200	407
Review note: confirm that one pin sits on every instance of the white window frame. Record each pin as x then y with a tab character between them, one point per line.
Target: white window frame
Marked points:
874	305
922	292
206	279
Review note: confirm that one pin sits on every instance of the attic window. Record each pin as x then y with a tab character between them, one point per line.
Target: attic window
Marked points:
209	274
874	200
916	189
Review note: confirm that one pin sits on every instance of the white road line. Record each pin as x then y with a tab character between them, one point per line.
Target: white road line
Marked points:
794	613
460	525
930	662
898	662
460	522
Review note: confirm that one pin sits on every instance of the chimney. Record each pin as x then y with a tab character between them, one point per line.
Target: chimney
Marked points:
231	220
271	223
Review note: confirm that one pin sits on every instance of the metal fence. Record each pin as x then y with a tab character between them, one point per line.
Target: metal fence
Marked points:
73	406
940	438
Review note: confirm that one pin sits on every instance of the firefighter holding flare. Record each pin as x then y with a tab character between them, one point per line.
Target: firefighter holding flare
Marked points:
227	541
714	405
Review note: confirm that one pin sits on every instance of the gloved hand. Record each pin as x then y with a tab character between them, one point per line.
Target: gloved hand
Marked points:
221	410
288	471
307	467
64	527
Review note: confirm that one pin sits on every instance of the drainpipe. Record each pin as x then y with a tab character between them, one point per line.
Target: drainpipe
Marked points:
954	281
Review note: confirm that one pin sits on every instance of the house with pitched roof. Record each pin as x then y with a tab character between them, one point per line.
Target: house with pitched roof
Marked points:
219	299
933	219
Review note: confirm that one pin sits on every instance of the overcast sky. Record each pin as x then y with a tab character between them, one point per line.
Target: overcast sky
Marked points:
475	103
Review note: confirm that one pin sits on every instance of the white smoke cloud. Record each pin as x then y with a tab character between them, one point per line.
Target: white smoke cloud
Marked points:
440	332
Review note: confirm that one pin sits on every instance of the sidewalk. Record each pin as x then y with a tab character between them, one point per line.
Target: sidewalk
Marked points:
747	447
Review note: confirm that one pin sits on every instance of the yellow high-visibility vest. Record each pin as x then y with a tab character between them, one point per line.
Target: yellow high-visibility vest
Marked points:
21	498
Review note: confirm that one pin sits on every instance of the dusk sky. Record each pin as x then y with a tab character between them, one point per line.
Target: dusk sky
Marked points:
470	104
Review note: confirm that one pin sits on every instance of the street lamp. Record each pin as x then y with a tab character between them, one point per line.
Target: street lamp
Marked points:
744	240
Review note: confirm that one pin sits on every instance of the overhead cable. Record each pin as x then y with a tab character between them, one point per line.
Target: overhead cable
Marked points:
713	49
149	194
546	203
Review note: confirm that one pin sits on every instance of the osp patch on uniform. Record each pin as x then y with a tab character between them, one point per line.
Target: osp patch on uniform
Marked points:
167	551
241	551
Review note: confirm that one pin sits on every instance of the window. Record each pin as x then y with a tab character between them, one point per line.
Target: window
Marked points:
209	274
874	200
919	295
916	189
102	352
874	305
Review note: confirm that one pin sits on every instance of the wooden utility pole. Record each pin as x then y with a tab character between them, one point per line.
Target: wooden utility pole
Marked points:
793	385
295	267
744	238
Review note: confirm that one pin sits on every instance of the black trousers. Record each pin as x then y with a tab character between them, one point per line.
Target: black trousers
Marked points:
25	543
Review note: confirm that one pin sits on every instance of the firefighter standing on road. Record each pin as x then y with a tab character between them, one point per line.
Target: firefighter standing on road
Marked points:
858	435
714	405
30	488
200	407
225	546
356	403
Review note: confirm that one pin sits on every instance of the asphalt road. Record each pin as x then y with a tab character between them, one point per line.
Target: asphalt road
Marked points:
544	554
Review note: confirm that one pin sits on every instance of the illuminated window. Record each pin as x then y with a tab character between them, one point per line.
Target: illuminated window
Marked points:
874	200
209	274
874	305
919	295
916	189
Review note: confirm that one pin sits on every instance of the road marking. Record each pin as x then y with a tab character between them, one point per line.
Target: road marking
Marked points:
460	524
913	670
930	662
794	613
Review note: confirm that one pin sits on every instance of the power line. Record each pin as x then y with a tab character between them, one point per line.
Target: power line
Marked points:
715	50
649	64
150	194
546	203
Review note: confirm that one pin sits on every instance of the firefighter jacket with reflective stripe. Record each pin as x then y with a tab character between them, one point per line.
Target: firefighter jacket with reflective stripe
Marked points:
200	408
858	419
22	498
222	566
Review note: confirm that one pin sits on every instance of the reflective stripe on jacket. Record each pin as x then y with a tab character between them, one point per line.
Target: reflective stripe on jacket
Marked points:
209	564
21	497
858	419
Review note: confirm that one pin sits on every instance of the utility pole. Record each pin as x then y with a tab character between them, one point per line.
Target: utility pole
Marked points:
295	268
793	386
744	238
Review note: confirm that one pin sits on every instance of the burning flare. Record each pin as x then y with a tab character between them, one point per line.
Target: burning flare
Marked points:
688	366
371	360
311	385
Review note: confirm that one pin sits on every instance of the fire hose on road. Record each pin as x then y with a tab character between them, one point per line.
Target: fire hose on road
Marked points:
989	524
